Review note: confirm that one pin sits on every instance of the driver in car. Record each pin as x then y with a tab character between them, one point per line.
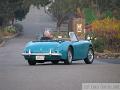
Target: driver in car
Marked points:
47	35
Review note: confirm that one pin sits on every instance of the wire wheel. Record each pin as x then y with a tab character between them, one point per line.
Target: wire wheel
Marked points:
69	57
90	56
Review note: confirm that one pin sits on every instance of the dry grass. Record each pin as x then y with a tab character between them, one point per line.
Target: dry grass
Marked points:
5	33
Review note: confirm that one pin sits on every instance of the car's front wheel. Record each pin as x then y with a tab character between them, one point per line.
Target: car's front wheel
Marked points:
90	56
69	57
31	62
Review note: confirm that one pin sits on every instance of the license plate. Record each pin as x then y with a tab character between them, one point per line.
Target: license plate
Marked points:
40	57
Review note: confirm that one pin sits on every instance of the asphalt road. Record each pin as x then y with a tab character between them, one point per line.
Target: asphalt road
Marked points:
16	74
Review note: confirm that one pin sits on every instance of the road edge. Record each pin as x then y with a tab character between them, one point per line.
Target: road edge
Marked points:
9	37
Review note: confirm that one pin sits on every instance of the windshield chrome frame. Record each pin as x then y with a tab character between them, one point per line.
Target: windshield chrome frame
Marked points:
73	36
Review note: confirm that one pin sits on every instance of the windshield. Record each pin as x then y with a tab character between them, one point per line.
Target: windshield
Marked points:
73	36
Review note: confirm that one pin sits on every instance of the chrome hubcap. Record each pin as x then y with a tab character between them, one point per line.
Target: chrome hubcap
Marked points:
69	56
90	55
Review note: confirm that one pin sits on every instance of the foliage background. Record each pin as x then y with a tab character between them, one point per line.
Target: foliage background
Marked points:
102	15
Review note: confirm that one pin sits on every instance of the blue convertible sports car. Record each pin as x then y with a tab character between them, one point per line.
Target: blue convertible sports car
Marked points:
56	50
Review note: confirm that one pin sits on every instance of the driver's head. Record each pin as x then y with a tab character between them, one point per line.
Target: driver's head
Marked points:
48	34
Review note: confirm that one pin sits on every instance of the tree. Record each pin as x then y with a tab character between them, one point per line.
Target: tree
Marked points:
8	9
61	9
104	6
17	9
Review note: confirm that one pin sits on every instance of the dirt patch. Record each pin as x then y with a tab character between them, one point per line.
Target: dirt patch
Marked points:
107	55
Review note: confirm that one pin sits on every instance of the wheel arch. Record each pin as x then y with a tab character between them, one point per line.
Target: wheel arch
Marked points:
91	47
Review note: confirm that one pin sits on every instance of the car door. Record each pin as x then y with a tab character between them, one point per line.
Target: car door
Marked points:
79	50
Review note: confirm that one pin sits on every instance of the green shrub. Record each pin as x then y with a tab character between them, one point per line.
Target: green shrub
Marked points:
99	45
10	29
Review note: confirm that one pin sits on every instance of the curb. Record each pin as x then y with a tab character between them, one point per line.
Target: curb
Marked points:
2	44
107	55
10	37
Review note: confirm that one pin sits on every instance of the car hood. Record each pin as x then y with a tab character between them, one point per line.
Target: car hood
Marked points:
41	47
